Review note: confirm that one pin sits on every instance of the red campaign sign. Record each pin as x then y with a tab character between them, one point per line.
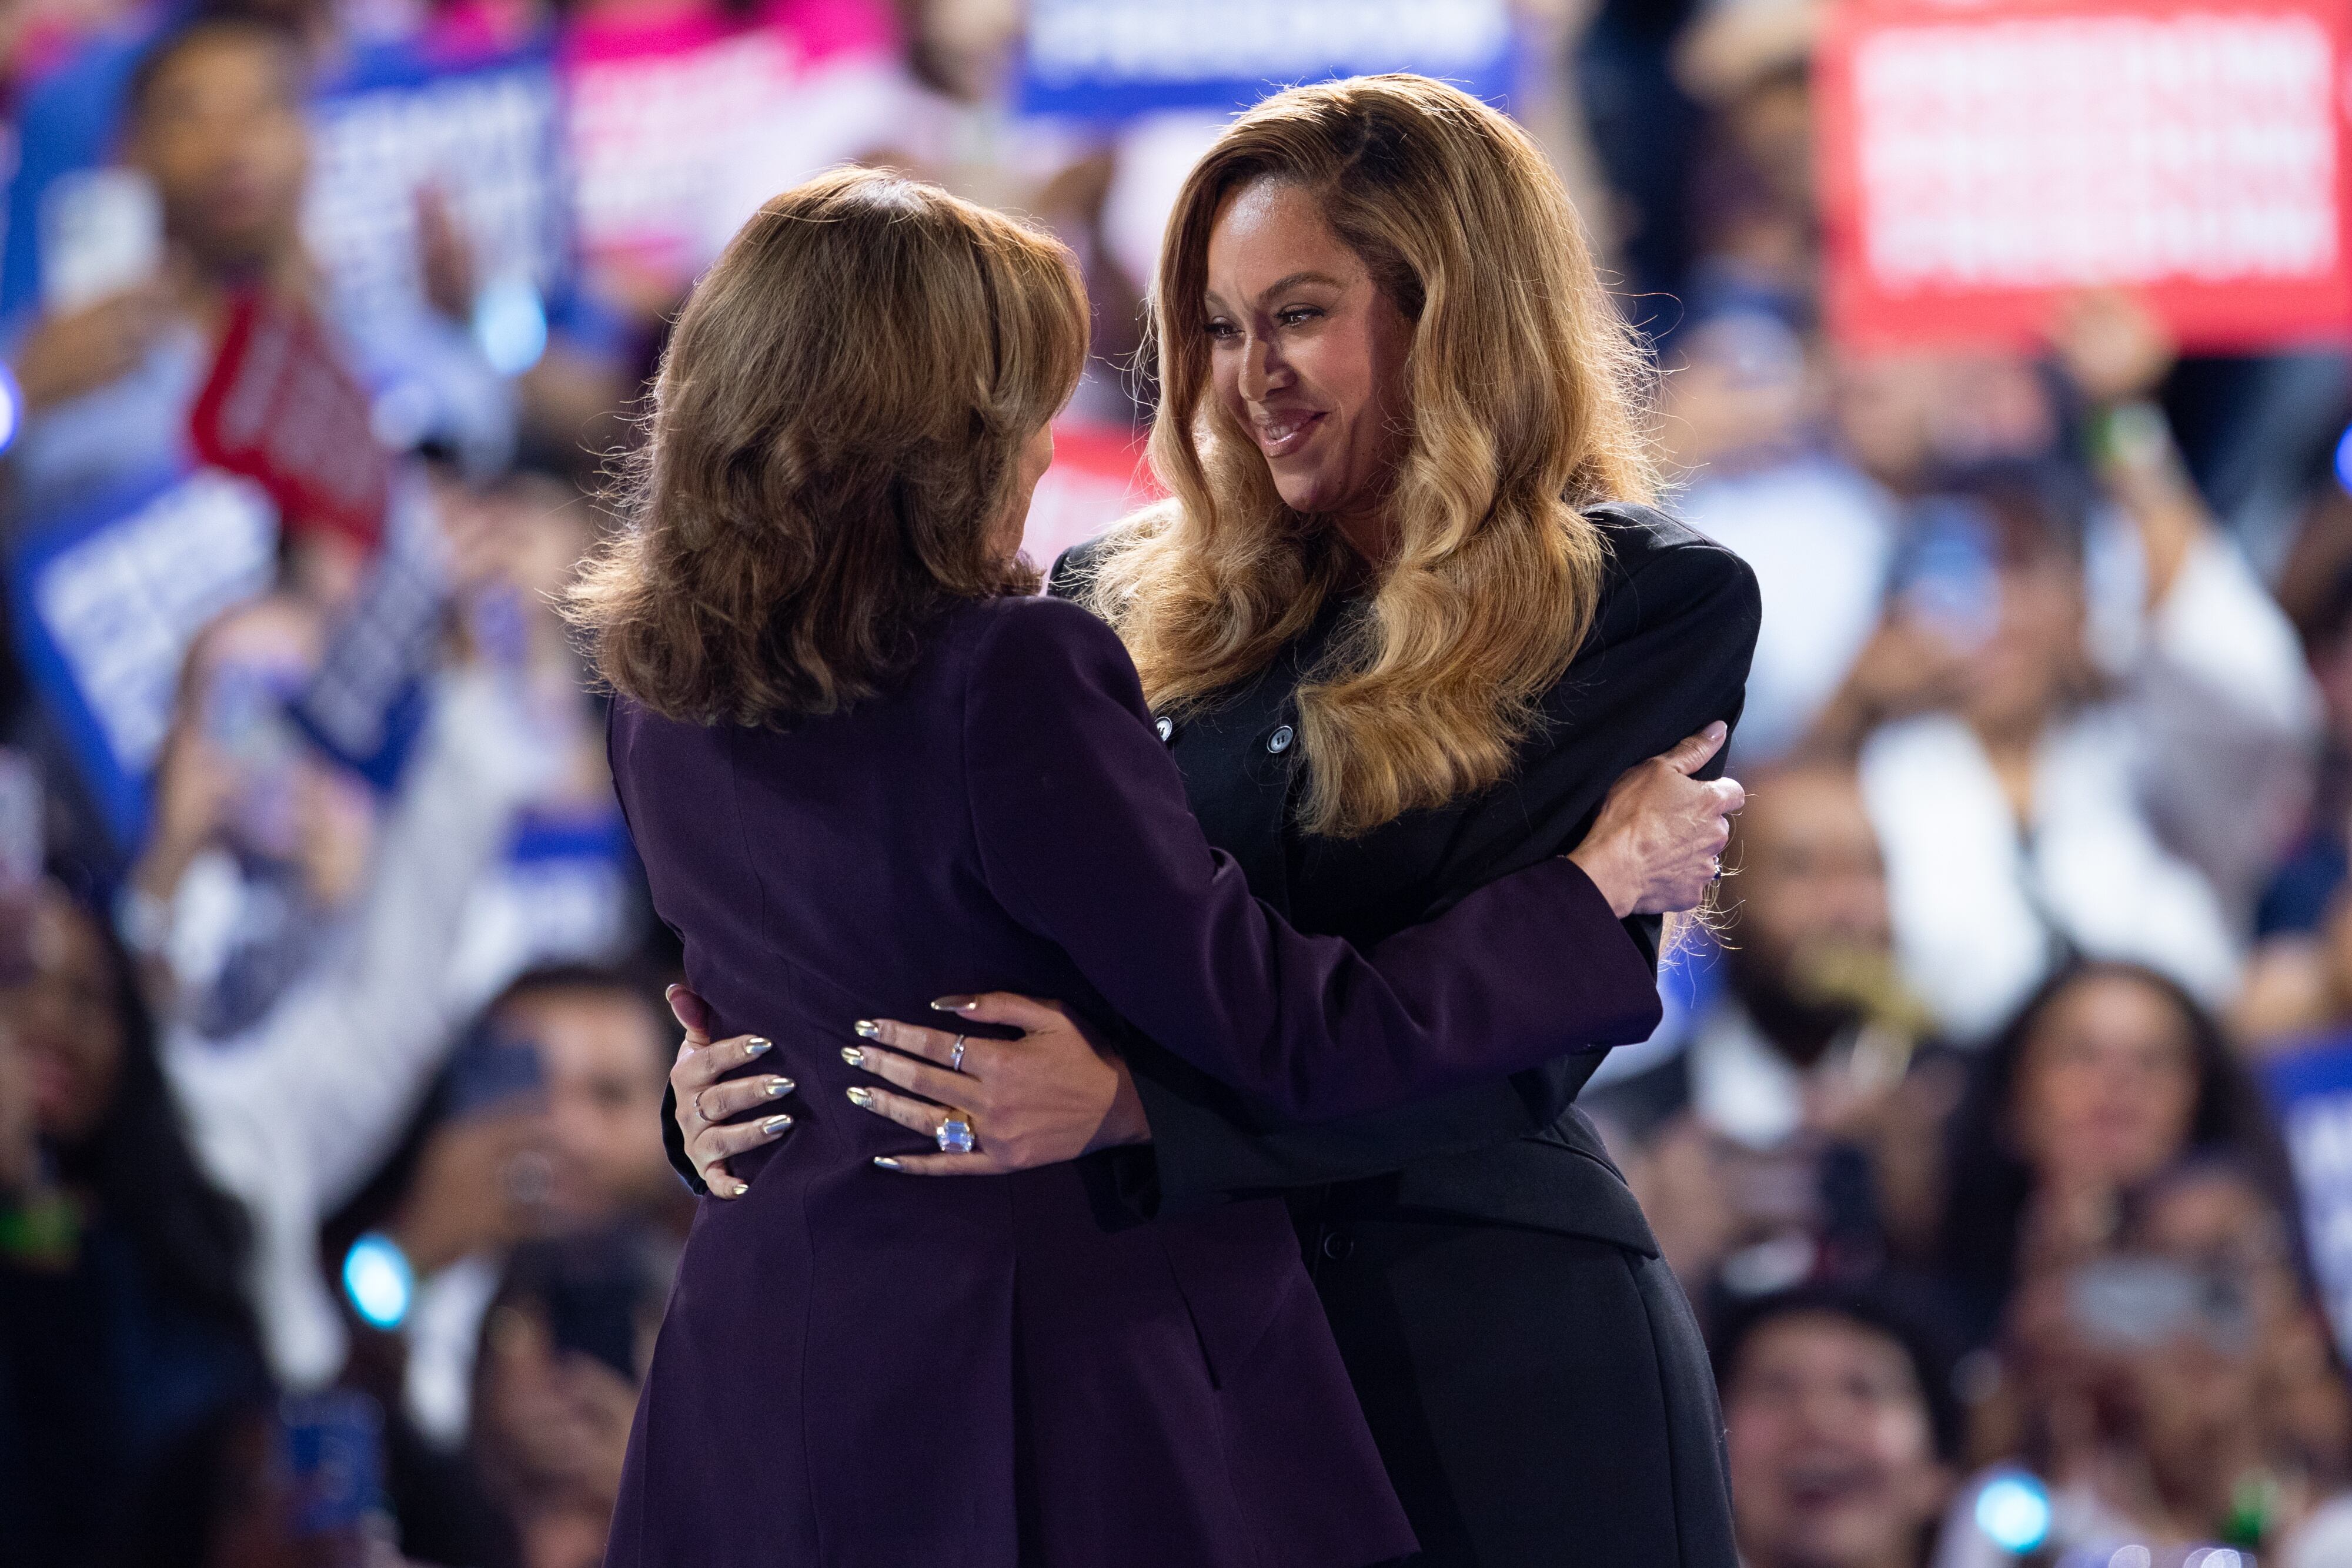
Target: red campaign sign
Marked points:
280	408
1981	163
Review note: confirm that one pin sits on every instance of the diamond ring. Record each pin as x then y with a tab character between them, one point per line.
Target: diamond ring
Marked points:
955	1137
955	1055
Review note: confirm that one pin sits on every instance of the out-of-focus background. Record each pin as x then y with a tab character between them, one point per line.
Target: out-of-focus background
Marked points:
2003	1135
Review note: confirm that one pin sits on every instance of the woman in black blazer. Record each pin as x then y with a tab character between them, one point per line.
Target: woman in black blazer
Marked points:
1386	358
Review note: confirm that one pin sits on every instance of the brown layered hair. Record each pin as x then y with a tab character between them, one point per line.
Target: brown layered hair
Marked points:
1524	386
832	452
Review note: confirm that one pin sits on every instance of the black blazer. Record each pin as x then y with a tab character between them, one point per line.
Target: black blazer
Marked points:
1669	650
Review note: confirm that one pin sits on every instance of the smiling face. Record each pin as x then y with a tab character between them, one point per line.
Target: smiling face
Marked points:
1307	355
1831	1457
2106	1091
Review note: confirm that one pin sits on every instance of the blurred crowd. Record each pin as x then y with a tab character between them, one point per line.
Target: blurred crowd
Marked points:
2001	1126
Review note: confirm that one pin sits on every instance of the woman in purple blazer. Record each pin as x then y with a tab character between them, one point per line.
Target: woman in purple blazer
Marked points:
864	768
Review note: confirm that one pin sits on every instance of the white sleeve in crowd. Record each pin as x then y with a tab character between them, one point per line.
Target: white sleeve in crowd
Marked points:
2228	719
295	1114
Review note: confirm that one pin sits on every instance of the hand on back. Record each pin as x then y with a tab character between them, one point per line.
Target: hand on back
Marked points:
1658	842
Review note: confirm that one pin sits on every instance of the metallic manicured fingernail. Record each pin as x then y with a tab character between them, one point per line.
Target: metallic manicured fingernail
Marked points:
852	1055
862	1098
886	1162
778	1087
955	1004
742	1188
754	1045
775	1124
868	1028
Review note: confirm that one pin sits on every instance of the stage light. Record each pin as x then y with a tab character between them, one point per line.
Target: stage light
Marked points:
511	326
12	408
378	1279
2013	1511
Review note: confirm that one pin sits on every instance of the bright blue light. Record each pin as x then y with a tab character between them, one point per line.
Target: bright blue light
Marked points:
2344	459
511	326
377	1278
12	408
2013	1511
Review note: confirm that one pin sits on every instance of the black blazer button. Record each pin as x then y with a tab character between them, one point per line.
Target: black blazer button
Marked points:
1167	728
1338	1246
1279	741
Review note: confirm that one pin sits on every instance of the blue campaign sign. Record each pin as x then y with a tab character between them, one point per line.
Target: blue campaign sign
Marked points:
1107	59
2311	1088
396	115
107	599
478	131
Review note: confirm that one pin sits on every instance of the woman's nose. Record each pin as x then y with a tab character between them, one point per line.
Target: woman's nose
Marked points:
1262	370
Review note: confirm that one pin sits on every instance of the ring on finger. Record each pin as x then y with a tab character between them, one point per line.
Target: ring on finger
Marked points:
955	1055
954	1136
699	1114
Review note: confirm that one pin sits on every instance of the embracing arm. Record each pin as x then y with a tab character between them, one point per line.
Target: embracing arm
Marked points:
1670	656
1085	838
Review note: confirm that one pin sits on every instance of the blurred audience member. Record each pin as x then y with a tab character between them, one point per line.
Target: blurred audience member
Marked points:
214	123
124	1322
2111	1073
1842	1425
2139	1402
2151	736
1782	1139
548	1126
563	1352
294	1109
1740	411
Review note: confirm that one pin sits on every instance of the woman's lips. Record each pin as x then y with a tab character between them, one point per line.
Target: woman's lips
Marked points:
1281	437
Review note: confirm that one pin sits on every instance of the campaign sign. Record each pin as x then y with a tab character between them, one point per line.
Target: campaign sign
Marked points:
1107	59
1979	166
280	408
2311	1089
107	601
367	705
473	127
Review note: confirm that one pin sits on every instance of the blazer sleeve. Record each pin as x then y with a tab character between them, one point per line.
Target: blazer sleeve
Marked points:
1671	656
1085	838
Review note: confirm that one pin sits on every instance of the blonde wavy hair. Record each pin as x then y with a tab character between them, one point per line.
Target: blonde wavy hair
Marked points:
1524	383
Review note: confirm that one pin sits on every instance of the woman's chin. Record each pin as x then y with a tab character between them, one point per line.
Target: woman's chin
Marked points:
1306	493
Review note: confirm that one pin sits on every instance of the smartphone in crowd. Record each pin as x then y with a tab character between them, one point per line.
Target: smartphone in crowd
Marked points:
493	1073
334	1459
1947	575
596	1314
23	849
2139	1304
101	232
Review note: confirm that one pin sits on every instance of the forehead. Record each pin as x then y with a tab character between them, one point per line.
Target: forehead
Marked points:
1806	805
1268	229
225	61
1823	1343
582	1028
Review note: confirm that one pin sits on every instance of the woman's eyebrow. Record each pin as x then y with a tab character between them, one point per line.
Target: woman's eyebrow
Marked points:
1292	280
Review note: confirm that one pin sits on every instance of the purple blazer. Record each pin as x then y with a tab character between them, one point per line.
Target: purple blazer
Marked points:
861	1368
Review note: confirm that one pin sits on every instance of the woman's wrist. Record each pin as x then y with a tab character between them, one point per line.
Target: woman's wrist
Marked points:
1608	871
1126	1122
